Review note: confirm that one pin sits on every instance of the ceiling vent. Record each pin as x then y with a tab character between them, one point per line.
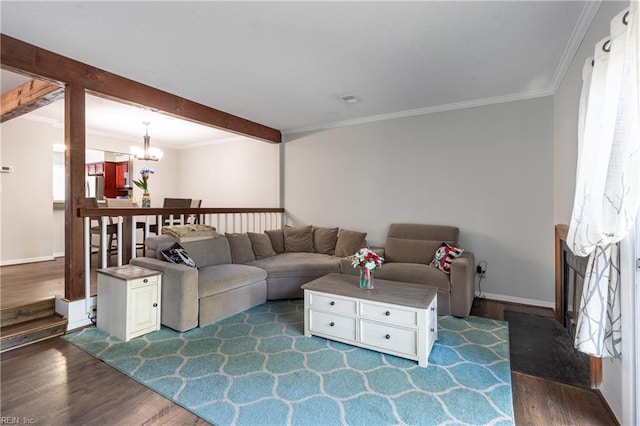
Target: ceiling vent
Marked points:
350	99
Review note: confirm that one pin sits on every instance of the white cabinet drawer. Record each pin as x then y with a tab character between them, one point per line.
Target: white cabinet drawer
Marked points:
391	338
331	303
386	313
141	282
333	325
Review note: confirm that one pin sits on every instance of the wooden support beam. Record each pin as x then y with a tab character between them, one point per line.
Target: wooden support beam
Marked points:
74	162
20	56
28	97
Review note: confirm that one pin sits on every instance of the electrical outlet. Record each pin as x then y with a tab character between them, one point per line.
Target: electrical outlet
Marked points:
480	270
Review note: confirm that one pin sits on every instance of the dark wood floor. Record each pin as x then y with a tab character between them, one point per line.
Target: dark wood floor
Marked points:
538	401
53	382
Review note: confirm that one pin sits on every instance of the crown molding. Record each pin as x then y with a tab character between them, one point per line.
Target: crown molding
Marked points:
577	35
424	111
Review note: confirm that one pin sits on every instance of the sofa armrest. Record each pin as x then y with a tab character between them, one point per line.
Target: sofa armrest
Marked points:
378	250
462	284
179	292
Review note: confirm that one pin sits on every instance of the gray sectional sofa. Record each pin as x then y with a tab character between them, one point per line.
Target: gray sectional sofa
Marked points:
235	272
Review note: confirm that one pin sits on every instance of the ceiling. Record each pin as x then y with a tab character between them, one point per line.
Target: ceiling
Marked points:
287	64
121	121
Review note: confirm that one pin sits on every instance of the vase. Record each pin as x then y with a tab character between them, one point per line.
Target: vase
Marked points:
366	278
146	200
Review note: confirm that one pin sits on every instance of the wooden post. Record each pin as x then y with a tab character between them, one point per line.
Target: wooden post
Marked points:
74	161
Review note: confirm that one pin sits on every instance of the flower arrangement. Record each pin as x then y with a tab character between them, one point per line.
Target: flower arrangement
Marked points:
142	183
367	259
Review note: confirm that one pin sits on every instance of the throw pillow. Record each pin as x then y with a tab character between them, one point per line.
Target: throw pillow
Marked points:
445	255
298	239
177	254
241	250
324	240
261	244
349	242
277	240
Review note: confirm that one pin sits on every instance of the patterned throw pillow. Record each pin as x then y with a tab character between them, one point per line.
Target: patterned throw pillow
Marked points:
177	254
444	257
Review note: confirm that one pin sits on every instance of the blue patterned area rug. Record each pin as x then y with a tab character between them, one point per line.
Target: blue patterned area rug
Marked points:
258	368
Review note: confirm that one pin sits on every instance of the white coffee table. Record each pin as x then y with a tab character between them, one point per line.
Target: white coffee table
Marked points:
394	317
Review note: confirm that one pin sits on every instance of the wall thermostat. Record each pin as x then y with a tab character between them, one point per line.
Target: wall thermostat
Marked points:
6	169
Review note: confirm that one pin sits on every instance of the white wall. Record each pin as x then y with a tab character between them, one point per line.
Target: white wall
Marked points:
487	170
26	193
241	172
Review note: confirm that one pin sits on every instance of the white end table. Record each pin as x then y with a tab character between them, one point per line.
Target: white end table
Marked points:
129	301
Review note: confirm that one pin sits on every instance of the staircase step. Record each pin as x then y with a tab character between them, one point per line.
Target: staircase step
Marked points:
41	309
21	334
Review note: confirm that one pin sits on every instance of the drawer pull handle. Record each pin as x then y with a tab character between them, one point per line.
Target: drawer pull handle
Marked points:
387	337
155	305
432	330
387	313
145	280
332	324
433	308
332	303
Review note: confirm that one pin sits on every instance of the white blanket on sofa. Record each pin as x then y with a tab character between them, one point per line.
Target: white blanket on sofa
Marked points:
185	233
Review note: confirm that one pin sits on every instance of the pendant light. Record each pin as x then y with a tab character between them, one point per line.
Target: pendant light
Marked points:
148	153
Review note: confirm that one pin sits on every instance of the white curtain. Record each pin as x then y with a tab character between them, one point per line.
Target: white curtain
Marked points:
608	179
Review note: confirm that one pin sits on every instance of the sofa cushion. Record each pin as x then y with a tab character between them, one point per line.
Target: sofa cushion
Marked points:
349	242
277	239
261	244
241	249
298	239
177	254
324	240
410	251
413	273
220	278
298	264
445	254
212	251
419	231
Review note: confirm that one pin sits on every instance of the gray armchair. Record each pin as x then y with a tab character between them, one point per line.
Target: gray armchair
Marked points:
408	251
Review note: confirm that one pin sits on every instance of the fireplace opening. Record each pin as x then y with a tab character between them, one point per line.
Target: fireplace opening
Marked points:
570	278
573	281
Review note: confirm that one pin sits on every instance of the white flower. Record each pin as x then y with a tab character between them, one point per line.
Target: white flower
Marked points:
366	258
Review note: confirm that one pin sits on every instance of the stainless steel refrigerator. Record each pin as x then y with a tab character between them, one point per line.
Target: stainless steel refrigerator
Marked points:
95	187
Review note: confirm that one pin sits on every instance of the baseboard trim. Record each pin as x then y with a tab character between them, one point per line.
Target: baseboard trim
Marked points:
27	260
607	397
521	300
75	311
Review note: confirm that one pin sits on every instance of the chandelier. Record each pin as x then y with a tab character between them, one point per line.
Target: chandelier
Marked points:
148	153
